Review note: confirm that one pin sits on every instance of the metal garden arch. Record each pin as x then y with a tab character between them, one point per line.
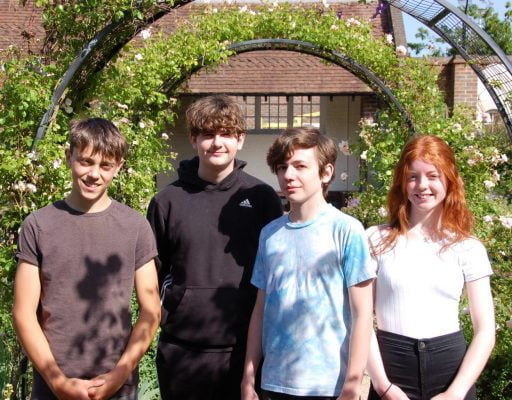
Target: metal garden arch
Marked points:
477	48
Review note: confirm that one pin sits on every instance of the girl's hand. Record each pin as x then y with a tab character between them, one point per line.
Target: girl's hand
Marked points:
446	396
395	393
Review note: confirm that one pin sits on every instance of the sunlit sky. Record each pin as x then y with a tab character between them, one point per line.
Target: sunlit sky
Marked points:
412	25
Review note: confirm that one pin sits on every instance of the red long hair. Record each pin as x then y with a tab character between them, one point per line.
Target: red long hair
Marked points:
456	221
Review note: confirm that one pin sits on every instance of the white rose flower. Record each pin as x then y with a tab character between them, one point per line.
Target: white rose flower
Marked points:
488	218
389	38
334	27
130	171
343	176
243	9
457	127
135	143
142	125
489	184
506	222
382	212
364	155
57	163
21	186
401	51
344	148
122	106
31	188
145	34
293	24
68	109
138	57
164	136
214	10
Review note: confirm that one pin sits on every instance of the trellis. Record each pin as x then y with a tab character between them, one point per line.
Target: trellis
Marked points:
480	51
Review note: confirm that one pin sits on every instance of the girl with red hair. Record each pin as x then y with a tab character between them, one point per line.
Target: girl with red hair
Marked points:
424	257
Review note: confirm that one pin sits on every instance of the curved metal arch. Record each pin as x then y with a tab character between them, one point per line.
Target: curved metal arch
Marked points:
113	37
334	57
481	52
96	54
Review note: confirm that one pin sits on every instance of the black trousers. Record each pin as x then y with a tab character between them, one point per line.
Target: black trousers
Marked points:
422	368
186	373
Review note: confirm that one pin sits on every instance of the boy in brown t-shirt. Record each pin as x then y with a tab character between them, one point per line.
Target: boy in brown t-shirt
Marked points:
78	261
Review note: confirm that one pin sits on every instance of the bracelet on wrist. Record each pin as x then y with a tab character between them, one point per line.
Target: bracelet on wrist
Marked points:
385	391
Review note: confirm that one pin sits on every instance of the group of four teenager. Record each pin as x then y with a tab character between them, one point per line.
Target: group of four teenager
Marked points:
253	304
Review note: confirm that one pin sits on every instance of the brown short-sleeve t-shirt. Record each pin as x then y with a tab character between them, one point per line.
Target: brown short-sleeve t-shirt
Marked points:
87	265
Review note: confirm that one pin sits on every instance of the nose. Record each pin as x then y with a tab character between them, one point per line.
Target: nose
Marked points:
216	140
289	173
94	172
422	183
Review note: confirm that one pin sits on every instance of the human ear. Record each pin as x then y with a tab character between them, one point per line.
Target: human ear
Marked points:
193	141
327	173
241	140
119	166
67	153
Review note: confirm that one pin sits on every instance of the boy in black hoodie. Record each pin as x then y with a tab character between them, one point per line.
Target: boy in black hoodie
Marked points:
207	225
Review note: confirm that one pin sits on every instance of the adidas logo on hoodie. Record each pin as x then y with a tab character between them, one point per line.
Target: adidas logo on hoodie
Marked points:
245	203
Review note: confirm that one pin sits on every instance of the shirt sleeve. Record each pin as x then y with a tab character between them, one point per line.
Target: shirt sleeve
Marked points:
474	260
27	248
146	245
357	263
258	273
158	222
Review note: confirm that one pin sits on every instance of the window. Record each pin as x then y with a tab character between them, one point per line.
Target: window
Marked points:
272	114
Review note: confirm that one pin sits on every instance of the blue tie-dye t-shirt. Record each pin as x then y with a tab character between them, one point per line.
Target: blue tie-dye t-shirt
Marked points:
305	270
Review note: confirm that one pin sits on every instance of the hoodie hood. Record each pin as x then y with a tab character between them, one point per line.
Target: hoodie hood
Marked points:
188	174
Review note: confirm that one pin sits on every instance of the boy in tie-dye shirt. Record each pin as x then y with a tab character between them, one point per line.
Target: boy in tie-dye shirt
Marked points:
313	314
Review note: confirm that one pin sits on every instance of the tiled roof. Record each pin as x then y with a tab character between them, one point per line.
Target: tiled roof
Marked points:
18	23
252	72
273	71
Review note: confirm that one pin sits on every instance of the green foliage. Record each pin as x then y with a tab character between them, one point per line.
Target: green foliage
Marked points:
137	90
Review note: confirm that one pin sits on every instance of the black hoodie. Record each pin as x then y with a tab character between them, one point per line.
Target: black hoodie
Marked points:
207	238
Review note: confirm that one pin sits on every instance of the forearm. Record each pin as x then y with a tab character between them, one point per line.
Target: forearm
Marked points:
142	333
473	363
254	351
36	346
361	310
375	366
358	350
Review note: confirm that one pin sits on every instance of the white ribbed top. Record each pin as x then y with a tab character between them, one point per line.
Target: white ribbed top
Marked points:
418	290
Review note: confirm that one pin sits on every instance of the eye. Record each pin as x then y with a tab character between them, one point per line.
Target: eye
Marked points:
107	167
281	167
411	178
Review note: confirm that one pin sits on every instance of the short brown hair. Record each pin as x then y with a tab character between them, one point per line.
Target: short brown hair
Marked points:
217	113
102	135
303	138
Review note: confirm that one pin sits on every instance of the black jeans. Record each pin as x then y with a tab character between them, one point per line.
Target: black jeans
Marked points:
422	368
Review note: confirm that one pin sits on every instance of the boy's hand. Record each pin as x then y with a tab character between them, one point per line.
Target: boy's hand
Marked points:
74	389
248	391
112	382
